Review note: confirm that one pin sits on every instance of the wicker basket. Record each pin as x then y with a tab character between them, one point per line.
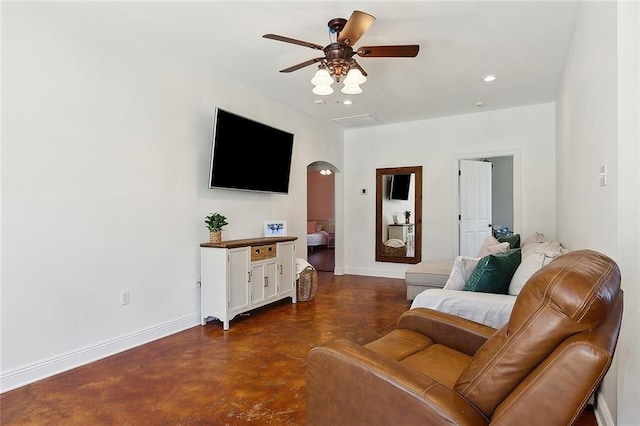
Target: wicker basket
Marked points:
215	236
307	284
394	251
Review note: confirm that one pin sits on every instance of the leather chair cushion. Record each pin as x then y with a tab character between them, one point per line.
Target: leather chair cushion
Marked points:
439	362
399	344
419	352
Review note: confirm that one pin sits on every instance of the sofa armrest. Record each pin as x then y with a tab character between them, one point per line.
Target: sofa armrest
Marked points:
490	309
350	384
455	332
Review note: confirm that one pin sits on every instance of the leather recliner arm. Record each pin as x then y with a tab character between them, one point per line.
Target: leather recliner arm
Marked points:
455	332
350	384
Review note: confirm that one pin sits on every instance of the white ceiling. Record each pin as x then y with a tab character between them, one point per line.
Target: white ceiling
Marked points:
524	43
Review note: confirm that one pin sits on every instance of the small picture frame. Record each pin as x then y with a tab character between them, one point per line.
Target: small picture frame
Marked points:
275	228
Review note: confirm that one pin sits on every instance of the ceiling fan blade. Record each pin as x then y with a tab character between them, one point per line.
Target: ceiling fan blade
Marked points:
357	65
293	41
400	51
356	26
302	64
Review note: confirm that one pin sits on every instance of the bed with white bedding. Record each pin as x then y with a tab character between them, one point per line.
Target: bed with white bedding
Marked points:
320	238
318	232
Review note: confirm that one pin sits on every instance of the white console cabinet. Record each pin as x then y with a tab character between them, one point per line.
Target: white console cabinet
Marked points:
240	275
401	231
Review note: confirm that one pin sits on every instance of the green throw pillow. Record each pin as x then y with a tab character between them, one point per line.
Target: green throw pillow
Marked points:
513	240
493	273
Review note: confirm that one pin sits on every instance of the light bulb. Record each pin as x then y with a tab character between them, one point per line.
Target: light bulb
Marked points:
354	78
351	89
322	78
322	90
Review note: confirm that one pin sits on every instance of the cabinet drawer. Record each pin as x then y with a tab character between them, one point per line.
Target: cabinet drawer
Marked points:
266	251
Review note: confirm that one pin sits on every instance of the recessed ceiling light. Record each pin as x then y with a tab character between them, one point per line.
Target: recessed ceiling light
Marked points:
347	102
479	103
318	101
489	78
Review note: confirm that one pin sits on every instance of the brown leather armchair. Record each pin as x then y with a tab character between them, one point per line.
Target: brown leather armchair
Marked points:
437	369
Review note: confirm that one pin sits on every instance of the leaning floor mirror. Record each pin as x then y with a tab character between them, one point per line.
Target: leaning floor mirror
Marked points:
399	214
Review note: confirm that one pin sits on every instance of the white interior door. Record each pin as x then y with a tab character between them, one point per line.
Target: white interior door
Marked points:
475	205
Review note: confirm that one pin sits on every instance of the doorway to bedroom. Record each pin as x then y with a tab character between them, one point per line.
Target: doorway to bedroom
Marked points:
321	235
488	199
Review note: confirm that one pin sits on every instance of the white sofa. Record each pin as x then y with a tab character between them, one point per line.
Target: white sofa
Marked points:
488	308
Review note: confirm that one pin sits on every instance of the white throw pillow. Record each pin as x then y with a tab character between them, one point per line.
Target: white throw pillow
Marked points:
536	238
529	266
544	247
488	242
491	245
462	268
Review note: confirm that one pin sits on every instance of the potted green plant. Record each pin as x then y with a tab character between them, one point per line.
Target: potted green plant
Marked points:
215	222
407	215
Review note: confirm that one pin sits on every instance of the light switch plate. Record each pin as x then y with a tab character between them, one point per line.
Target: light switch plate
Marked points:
603	175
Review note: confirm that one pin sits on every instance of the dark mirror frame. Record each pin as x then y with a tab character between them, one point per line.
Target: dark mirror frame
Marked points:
417	209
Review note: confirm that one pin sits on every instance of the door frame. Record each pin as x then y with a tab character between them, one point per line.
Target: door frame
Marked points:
517	186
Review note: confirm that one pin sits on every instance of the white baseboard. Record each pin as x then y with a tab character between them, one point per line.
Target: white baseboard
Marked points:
603	415
48	367
371	272
338	271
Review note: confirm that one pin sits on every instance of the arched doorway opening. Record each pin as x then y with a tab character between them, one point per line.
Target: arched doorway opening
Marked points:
321	229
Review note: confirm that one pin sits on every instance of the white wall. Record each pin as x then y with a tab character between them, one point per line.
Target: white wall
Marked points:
104	188
628	253
436	145
598	121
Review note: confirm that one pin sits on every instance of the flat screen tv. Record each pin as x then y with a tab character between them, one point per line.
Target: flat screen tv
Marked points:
400	185
248	155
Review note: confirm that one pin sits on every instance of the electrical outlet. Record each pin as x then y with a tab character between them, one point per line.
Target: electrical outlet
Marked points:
197	283
124	297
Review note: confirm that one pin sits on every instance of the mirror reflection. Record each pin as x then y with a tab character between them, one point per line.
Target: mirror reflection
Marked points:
399	214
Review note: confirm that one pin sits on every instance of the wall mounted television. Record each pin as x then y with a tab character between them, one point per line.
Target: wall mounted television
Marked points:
400	185
248	155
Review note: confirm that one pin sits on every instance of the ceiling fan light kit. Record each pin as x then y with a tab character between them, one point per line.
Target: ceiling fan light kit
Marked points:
338	61
351	90
322	78
322	90
354	78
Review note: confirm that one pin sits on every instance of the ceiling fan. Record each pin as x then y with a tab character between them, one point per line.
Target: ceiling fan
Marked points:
338	57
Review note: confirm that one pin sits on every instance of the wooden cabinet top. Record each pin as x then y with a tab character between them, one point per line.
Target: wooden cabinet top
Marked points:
246	242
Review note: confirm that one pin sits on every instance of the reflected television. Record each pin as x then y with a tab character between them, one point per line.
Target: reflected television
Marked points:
399	187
